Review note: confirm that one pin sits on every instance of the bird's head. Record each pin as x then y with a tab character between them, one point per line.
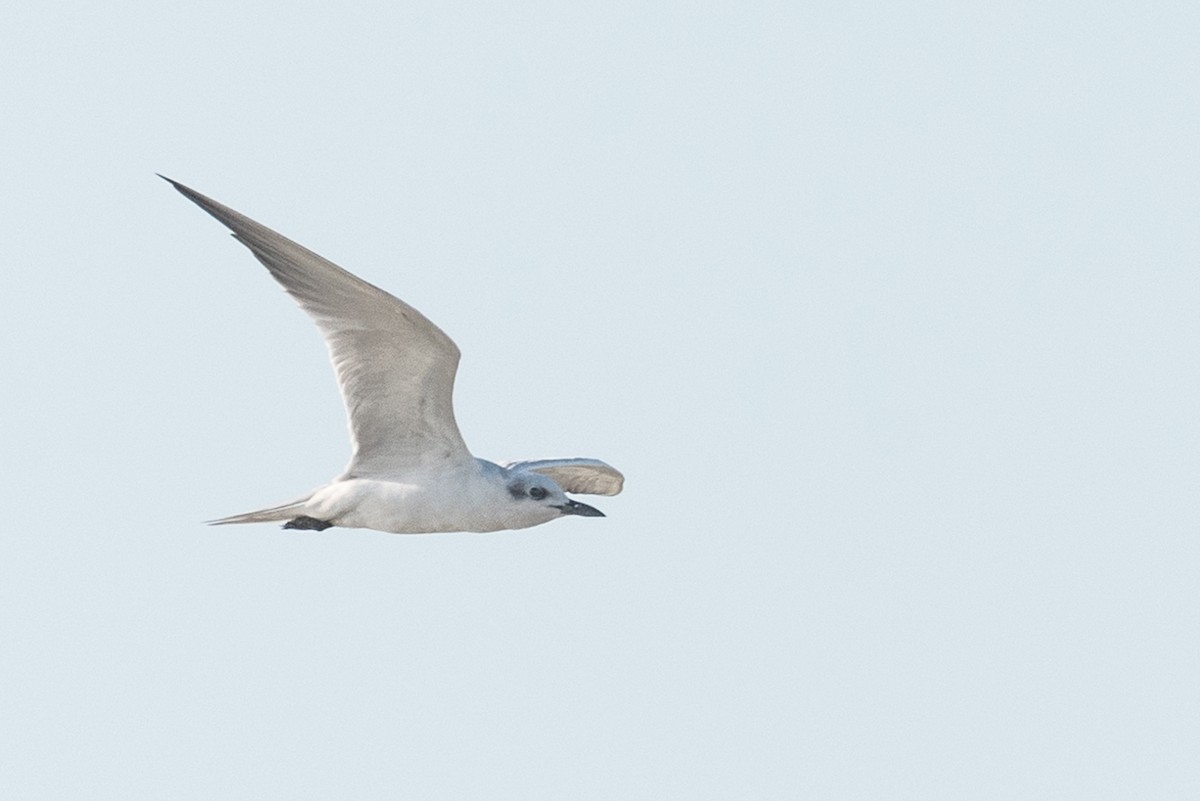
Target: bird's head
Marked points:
528	487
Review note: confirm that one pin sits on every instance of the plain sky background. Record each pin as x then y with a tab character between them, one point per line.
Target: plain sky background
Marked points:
888	311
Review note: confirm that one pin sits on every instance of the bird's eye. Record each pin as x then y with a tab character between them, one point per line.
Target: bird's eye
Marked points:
537	493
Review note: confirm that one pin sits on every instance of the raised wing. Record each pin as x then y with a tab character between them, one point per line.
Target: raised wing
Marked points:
584	476
395	368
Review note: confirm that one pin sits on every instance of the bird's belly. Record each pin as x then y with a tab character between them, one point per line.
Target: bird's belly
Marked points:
399	508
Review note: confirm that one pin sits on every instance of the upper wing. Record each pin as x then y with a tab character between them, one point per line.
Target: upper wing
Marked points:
395	368
586	476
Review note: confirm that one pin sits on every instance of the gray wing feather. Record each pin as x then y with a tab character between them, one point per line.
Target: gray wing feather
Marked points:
395	368
583	476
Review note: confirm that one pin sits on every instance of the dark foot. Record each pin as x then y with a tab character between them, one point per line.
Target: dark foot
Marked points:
308	524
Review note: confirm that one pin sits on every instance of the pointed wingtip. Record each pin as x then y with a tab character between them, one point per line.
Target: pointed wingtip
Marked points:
214	208
186	191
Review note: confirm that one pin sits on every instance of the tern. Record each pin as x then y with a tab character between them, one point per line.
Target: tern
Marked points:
410	472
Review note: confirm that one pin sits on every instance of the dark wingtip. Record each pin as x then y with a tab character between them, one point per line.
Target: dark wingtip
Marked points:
214	208
186	191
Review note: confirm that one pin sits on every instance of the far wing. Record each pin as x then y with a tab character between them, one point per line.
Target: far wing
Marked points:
395	368
584	476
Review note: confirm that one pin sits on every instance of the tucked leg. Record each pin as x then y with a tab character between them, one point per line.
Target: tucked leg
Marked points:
306	523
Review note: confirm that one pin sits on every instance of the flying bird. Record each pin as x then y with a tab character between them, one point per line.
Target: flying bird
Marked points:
410	472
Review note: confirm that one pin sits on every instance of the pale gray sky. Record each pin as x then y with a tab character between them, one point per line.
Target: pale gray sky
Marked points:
887	311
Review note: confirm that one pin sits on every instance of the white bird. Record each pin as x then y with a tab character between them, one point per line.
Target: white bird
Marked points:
410	472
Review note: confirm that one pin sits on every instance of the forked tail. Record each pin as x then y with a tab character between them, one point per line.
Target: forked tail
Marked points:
274	513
